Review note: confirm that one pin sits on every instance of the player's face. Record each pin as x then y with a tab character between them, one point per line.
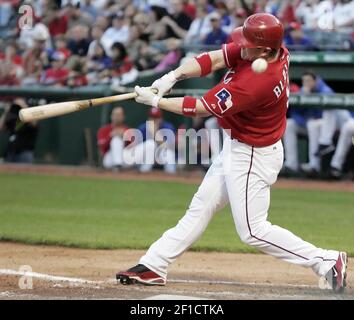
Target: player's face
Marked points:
117	117
252	54
308	82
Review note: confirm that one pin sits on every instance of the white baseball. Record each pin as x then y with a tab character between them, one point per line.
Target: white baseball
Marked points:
259	65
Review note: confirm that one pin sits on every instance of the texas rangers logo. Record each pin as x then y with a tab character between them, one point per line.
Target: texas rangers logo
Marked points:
224	100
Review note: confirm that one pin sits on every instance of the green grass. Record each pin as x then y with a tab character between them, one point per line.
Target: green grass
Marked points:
103	213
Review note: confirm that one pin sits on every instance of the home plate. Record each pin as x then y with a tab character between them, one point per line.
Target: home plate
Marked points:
173	297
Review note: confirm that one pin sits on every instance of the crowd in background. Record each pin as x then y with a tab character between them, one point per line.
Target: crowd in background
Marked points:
88	42
82	42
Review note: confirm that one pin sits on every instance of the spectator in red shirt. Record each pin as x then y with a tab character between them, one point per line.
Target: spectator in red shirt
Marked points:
56	75
56	21
77	72
34	60
11	58
110	140
123	70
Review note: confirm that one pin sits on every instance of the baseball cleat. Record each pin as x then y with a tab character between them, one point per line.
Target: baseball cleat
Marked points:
336	277
140	275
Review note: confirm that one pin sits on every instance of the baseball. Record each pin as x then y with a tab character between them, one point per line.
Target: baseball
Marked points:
259	65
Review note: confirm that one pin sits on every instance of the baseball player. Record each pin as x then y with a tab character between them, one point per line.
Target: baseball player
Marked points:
251	108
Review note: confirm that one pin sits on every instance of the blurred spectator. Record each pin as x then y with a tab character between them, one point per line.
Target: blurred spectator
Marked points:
77	72
205	4
34	60
227	21
21	137
56	20
141	53
98	65
240	17
130	12
61	45
102	22
158	28
28	37
12	60
189	9
87	7
96	35
78	40
305	122
110	140
6	11
56	75
8	18
216	36
199	28
327	14
286	12
123	70
77	17
119	32
296	39
178	22
7	75
156	147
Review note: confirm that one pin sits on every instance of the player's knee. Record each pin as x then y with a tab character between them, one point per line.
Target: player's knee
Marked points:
349	127
252	234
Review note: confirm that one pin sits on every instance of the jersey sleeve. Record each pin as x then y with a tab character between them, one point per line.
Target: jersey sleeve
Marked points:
231	53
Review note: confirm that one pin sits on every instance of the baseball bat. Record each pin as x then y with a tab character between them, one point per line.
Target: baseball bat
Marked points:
58	109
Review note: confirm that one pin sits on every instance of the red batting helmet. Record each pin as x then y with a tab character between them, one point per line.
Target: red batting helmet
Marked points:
259	30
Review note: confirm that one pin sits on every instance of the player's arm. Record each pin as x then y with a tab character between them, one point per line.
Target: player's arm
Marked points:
187	106
199	66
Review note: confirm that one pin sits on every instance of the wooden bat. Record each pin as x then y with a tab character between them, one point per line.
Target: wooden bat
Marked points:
61	108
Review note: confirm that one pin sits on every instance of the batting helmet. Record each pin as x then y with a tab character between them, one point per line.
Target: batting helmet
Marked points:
259	30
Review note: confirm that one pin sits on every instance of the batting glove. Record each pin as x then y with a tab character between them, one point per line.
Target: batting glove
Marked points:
146	96
164	84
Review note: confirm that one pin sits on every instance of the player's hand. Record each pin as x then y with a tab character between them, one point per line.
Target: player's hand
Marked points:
165	83
146	96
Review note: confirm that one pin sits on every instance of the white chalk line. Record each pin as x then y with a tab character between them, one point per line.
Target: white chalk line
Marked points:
49	277
72	280
237	283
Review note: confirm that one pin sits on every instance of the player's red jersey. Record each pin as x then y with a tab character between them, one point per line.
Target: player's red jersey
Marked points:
253	106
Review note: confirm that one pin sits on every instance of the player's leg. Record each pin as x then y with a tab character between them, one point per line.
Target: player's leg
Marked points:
166	157
210	197
332	120
142	155
343	145
290	145
313	131
107	160
248	186
116	151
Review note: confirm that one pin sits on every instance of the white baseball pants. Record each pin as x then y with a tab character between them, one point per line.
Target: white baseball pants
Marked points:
241	175
313	130
344	143
332	121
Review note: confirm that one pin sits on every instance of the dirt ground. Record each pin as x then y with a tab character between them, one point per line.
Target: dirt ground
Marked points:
69	273
190	177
